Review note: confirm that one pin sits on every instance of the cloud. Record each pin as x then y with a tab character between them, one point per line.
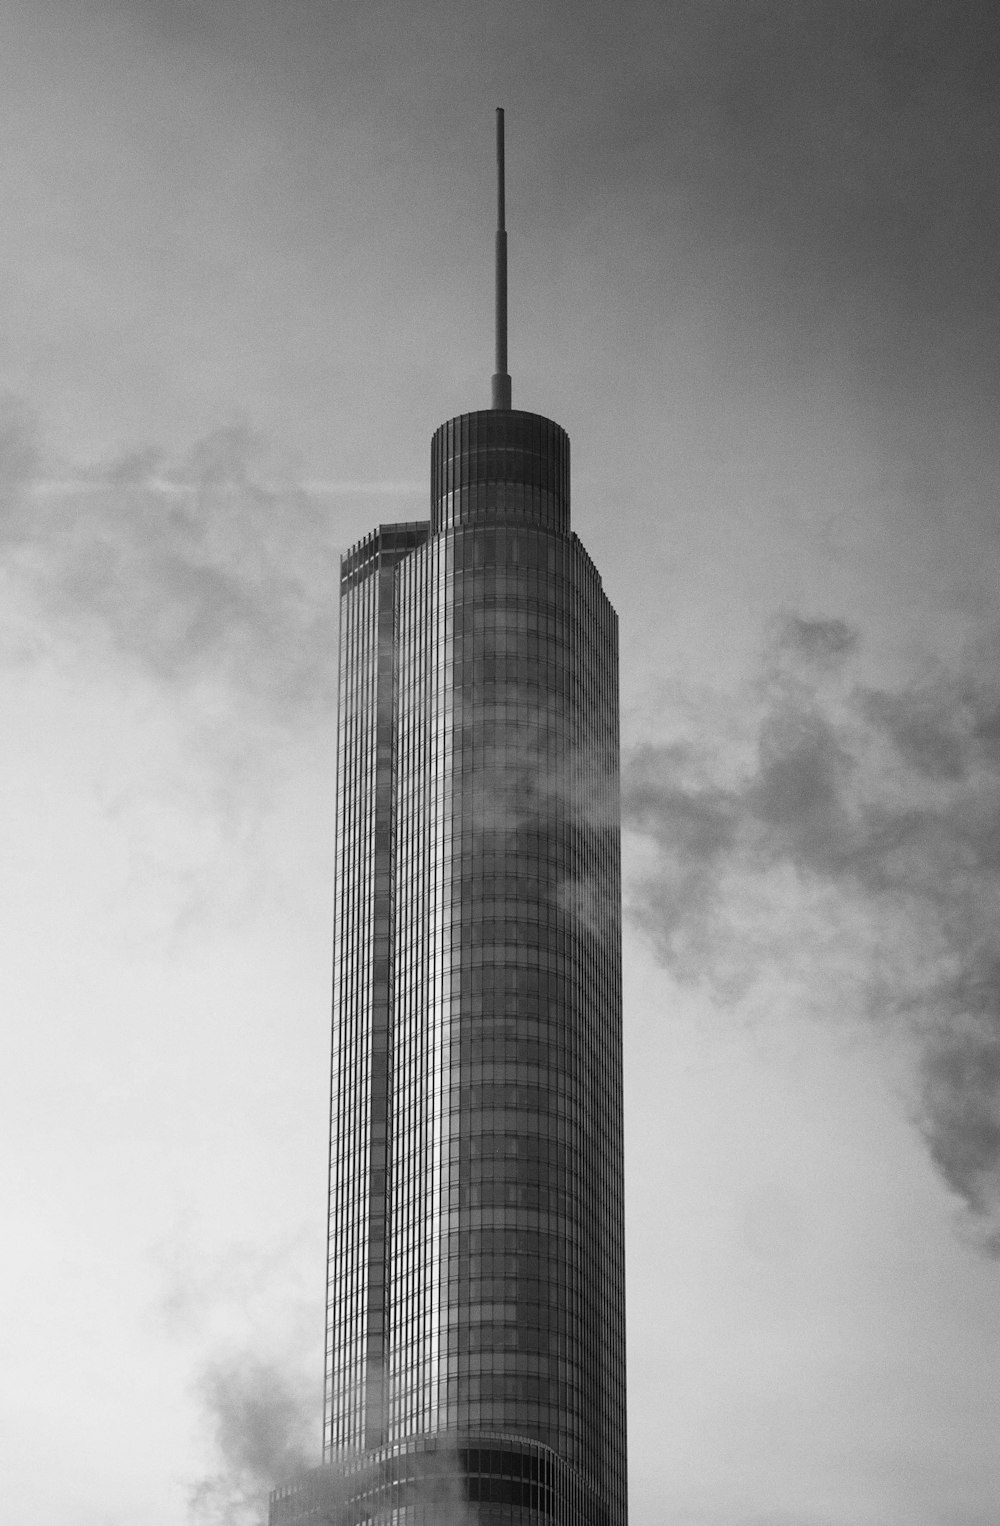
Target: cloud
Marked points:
19	453
200	592
850	847
813	642
207	571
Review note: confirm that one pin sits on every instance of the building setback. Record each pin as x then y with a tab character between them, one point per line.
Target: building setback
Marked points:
475	1359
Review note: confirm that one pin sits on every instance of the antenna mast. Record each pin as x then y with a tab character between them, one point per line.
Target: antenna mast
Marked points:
501	380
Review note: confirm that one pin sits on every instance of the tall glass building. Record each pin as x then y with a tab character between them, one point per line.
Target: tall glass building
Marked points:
475	1361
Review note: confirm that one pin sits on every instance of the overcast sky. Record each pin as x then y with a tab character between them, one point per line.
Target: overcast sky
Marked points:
245	272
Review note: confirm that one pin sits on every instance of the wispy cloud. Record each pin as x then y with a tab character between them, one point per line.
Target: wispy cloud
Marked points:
211	570
205	583
849	843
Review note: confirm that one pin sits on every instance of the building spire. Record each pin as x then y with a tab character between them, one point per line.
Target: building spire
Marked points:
501	380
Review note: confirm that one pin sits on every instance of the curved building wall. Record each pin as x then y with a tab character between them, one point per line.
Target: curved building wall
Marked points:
476	1235
491	465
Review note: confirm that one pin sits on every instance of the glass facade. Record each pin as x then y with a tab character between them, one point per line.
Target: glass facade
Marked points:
475	1343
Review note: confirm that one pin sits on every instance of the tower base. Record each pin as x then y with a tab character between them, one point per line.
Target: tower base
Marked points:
443	1480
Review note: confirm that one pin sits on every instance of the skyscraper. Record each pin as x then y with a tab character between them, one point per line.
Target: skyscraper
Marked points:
475	1361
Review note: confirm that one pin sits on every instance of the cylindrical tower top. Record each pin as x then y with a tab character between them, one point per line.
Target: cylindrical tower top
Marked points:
500	466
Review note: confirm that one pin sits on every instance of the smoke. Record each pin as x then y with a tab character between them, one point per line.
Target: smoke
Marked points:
844	841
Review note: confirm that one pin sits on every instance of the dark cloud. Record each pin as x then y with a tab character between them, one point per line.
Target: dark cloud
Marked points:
798	796
816	641
961	1122
929	735
868	819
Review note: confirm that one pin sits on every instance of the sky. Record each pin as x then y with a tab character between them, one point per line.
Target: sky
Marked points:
245	272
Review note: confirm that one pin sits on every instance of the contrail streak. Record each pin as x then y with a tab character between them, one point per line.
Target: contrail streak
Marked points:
64	487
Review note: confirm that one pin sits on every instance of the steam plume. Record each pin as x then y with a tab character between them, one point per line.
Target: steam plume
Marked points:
262	1422
253	1323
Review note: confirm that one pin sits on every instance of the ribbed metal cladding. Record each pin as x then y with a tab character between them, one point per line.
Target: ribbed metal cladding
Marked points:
496	464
